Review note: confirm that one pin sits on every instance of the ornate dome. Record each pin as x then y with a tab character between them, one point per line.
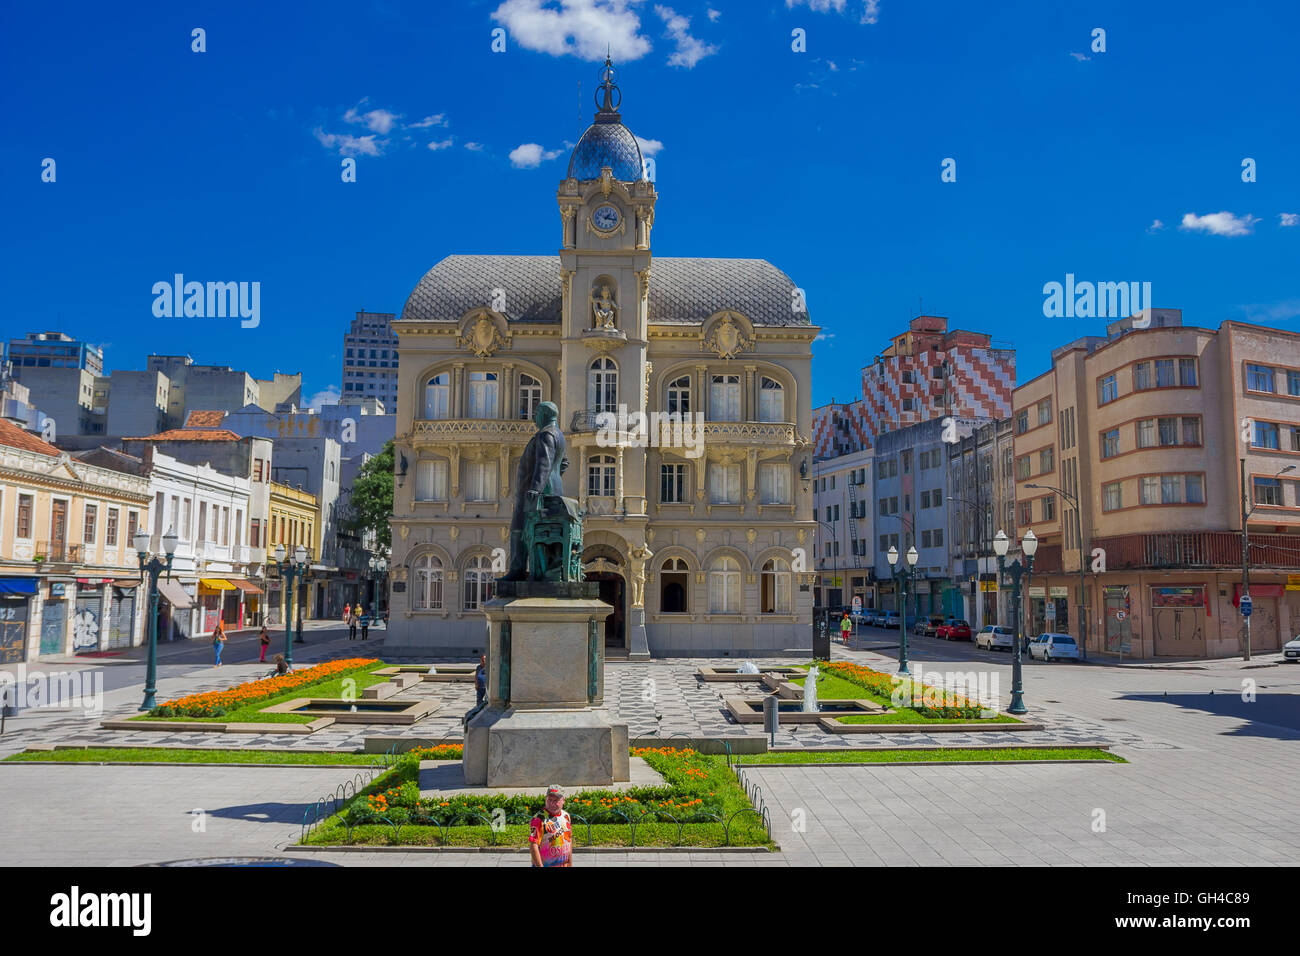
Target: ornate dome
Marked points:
607	142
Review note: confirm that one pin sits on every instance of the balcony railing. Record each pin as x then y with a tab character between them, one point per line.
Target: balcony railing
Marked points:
473	429
1198	549
57	552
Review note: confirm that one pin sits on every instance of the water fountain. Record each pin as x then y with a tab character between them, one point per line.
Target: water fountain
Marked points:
810	691
747	667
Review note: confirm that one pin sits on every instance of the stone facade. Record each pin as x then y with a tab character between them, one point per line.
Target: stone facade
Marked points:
696	532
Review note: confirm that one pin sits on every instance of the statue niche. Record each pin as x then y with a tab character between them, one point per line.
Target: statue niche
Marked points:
604	308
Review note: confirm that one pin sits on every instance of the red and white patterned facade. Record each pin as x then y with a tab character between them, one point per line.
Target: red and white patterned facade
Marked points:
927	372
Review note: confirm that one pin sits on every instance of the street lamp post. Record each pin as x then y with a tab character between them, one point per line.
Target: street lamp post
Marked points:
378	567
1245	546
902	575
291	568
1083	604
153	567
1029	545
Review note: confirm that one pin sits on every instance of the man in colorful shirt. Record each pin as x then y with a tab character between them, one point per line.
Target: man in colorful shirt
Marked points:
550	837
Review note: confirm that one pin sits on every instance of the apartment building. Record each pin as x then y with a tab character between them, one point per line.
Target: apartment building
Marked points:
843	550
981	502
1151	429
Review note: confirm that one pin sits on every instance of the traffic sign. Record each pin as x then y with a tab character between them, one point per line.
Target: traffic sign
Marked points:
857	604
1247	605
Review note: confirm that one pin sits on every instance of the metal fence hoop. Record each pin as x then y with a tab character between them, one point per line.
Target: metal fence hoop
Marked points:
727	837
585	822
630	822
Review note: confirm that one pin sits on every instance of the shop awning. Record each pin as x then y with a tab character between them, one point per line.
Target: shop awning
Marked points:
248	587
216	584
15	585
174	593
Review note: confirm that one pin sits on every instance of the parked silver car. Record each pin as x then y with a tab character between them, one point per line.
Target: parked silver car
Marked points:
1050	646
1291	650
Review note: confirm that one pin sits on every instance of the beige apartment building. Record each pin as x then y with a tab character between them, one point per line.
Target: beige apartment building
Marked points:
699	538
69	576
1149	427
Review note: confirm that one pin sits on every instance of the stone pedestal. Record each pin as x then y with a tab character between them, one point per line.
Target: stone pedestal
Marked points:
638	645
545	720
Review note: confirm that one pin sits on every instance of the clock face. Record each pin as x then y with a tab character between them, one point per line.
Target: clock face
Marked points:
605	218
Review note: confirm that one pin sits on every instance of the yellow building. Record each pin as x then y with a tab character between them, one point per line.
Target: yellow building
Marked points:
294	520
69	576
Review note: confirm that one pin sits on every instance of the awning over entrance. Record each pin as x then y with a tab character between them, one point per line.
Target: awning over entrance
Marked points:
15	585
216	584
248	587
174	593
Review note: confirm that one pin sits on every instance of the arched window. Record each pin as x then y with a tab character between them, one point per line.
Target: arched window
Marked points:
724	586
482	394
602	385
479	582
437	397
679	396
771	400
600	475
724	398
427	595
775	586
673	582
530	396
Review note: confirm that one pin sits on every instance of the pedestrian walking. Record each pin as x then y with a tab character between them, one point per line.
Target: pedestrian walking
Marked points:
550	834
218	639
480	680
365	625
265	639
846	628
347	611
352	623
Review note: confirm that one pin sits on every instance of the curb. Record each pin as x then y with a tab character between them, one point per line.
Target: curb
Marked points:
298	848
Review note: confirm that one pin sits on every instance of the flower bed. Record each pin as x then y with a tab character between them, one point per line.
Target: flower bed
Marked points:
218	703
883	687
698	799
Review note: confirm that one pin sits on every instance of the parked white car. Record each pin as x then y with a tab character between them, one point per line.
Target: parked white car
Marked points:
995	637
1291	650
1053	647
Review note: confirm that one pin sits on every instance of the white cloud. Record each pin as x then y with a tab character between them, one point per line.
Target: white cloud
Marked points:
580	28
377	121
648	146
531	155
1080	57
1280	311
438	119
349	145
1156	226
714	15
1288	219
870	8
1220	223
329	396
474	147
690	50
823	336
442	144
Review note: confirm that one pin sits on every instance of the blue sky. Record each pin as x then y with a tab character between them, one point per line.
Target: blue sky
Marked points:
1123	165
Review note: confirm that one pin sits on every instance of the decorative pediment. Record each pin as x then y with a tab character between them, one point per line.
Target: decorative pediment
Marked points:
483	332
727	334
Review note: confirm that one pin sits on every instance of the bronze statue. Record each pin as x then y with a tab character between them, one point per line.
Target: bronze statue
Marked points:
540	468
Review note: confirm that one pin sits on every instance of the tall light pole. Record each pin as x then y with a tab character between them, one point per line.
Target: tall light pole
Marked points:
153	567
1083	604
378	565
902	575
1245	545
1029	545
290	570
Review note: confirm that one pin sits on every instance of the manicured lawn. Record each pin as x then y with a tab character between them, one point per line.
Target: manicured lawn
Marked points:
954	755
252	713
833	687
196	755
700	793
830	687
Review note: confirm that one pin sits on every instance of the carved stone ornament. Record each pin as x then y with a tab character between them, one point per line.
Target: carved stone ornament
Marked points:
727	339
604	309
404	531
482	337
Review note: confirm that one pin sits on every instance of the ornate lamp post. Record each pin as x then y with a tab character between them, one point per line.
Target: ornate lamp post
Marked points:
1029	545
153	567
902	575
378	567
290	570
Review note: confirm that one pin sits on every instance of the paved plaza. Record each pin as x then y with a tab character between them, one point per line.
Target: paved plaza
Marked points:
1210	778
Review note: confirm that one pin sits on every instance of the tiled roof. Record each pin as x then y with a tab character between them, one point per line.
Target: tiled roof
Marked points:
205	419
191	434
15	437
682	290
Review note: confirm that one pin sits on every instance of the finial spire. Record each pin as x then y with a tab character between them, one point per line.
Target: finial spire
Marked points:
606	103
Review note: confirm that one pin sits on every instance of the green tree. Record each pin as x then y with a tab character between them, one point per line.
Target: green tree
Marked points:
372	497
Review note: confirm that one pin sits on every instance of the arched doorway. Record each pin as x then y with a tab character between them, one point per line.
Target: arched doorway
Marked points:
604	565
